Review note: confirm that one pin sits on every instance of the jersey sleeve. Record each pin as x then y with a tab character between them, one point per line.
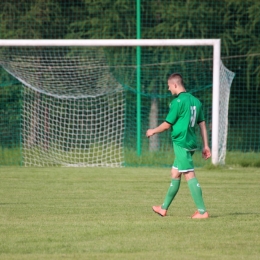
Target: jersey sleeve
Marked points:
201	117
173	113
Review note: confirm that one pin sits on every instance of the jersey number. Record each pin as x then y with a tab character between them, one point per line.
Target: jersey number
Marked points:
192	116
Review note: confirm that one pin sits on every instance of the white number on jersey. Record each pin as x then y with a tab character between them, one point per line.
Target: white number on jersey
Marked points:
192	116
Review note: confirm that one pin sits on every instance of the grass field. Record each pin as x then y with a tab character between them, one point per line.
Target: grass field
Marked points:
103	213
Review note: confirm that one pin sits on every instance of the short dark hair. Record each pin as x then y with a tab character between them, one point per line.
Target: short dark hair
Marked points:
178	78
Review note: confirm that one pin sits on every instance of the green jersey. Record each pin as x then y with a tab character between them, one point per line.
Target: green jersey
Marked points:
185	112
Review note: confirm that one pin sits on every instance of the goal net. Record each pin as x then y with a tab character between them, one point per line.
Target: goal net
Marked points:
83	106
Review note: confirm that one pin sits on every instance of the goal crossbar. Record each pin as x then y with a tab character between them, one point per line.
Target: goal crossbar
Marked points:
92	42
215	43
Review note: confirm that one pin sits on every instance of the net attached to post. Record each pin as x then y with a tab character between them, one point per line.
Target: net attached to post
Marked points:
226	78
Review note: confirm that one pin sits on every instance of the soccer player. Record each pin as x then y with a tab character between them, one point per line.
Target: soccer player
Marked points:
185	112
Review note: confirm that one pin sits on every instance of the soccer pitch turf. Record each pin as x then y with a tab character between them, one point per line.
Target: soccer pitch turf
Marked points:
104	213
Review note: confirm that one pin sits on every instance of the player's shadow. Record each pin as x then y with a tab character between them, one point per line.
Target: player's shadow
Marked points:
4	204
236	214
243	213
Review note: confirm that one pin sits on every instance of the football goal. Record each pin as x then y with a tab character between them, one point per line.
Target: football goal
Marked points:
89	102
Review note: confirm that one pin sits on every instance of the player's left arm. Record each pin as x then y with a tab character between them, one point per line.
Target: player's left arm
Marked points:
206	153
161	128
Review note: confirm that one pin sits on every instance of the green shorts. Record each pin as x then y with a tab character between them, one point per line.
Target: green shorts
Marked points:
183	159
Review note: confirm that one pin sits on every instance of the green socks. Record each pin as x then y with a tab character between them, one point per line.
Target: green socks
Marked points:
196	194
172	191
195	191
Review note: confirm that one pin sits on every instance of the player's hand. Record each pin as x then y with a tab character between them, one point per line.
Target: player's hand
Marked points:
149	132
206	153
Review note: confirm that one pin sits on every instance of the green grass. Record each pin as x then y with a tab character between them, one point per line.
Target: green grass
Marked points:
246	159
104	213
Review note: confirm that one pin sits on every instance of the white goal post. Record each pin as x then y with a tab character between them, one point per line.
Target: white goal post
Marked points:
215	43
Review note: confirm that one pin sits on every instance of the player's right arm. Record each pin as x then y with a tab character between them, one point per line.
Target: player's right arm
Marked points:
206	153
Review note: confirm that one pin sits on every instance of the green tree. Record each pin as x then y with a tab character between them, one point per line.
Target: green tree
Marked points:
248	42
104	19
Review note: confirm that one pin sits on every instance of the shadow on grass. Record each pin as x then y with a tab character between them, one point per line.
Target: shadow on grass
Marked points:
243	213
5	204
236	214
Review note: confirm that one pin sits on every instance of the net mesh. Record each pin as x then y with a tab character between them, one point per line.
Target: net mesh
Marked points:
226	78
73	132
80	109
73	109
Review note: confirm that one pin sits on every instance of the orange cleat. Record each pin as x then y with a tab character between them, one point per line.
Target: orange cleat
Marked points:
160	211
198	215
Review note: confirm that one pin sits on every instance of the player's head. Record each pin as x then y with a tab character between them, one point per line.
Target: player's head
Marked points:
176	78
175	83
